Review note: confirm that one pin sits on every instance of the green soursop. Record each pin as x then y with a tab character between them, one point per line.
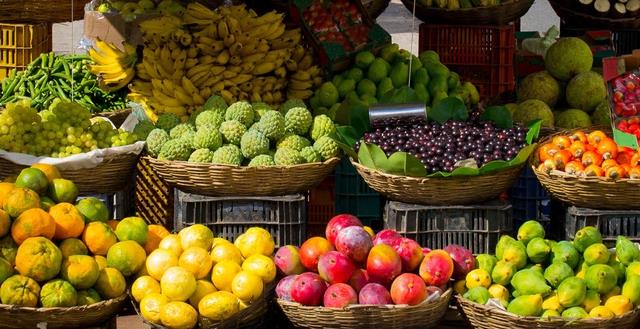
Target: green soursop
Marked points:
201	155
142	129
310	155
259	109
262	160
533	109
572	118
298	120
209	118
254	126
287	157
322	126
568	57
327	147
585	91
155	140
181	129
601	116
241	111
271	124
227	154
207	137
189	137
539	85
291	103
293	142
175	149
232	131
254	143
215	103
167	121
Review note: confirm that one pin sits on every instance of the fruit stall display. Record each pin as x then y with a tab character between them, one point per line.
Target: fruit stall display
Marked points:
468	12
353	278
580	167
535	282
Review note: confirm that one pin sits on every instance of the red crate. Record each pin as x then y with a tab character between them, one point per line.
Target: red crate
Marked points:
322	206
483	55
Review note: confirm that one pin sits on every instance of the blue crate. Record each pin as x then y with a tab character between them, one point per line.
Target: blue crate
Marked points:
528	198
354	196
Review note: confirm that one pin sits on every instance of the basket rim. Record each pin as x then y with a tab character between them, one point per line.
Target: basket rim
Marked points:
217	166
24	309
612	20
475	9
388	307
493	309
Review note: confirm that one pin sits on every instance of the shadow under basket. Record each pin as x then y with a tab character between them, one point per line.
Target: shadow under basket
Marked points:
506	12
458	190
15	317
488	317
425	315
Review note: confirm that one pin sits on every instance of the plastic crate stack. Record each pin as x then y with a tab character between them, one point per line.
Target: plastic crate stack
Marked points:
354	196
20	44
530	200
481	54
610	223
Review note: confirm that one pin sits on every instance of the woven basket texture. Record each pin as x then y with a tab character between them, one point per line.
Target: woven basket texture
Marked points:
504	13
486	317
224	180
117	116
39	11
458	190
425	315
566	11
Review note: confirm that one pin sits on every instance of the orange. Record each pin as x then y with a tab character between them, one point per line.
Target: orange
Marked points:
128	257
63	190
31	223
113	223
196	235
178	284
247	286
151	305
20	290
111	283
178	315
203	288
69	221
5	223
172	243
159	261
93	209
8	249
255	240
102	262
39	259
33	179
5	189
143	286
72	246
81	271
6	270
156	234
58	293
46	203
219	305
223	273
132	228
20	200
98	237
226	251
49	170
197	261
88	297
262	266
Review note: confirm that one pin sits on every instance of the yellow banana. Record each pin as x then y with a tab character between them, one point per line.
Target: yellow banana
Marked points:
197	99
291	65
298	53
317	81
206	59
216	70
200	78
206	92
300	85
246	87
227	96
299	94
241	78
301	75
235	60
278	97
235	48
253	58
282	43
223	29
197	69
223	58
192	52
255	97
247	68
218	86
106	69
190	62
234	26
188	86
229	74
306	62
229	40
267	97
183	98
280	72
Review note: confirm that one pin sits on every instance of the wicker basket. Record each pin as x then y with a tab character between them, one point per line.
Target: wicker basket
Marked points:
486	317
458	190
15	317
110	176
117	117
42	11
576	18
588	192
504	13
426	315
225	180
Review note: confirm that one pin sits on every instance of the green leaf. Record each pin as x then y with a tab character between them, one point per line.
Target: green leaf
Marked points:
345	137
358	117
450	108
523	155
402	95
534	130
372	156
498	114
403	163
439	174
494	165
464	171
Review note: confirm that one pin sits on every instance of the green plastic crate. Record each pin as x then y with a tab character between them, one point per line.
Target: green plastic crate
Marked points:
354	196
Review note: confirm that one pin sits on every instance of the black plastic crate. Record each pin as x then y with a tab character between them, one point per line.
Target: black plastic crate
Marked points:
624	41
528	198
611	223
228	217
354	196
120	204
476	227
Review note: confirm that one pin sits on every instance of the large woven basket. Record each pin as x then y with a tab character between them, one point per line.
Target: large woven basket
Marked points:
589	192
504	13
575	18
425	315
16	317
225	180
458	190
110	176
39	11
486	317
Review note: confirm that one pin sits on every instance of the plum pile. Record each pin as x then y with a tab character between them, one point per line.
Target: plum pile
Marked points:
440	147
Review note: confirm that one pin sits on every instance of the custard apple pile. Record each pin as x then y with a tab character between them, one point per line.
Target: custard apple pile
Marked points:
244	134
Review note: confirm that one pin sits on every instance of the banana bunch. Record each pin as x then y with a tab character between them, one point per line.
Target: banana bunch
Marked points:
304	77
113	67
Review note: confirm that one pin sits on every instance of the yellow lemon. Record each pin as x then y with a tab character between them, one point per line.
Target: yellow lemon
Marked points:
220	305
619	304
203	288
178	284
255	241
151	305
196	235
143	286
601	312
197	261
226	251
172	243
262	266
178	315
223	273
247	286
159	261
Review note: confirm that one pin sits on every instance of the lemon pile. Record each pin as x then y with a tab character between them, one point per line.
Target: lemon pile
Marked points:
194	273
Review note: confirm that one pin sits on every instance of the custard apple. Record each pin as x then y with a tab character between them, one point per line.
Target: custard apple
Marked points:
227	154
298	120
167	121
189	137
232	131
322	126
180	129
287	157
254	143
175	149
241	111
310	154
142	129
272	125
207	137
155	140
260	109
327	147
209	118
291	103
293	142
262	160
215	103
201	155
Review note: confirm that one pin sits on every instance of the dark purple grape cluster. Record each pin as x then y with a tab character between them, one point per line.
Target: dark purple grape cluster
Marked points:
440	147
